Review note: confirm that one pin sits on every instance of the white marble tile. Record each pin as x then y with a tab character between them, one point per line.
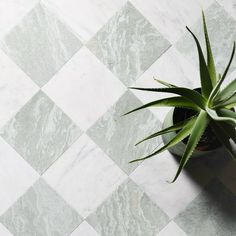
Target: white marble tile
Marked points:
172	229
153	176
230	6
4	231
86	17
16	176
84	229
11	13
171	17
16	88
84	176
84	88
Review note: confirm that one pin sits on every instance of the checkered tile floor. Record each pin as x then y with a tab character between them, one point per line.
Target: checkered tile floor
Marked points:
65	66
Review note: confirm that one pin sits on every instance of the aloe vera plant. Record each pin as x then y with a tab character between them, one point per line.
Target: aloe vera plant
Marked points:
213	106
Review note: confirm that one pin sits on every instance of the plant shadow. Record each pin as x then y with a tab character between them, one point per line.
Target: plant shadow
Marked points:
219	185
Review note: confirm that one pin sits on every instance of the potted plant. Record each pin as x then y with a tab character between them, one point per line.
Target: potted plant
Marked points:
202	119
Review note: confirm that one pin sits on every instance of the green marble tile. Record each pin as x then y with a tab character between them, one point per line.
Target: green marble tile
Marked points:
117	135
128	44
212	213
40	44
128	212
40	212
222	33
40	132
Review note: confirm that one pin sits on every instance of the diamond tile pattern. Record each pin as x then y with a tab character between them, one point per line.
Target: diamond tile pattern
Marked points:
29	44
40	132
221	27
128	212
87	183
64	148
128	44
45	213
111	130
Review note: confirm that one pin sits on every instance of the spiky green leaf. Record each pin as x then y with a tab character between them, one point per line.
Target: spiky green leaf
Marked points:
198	129
216	89
172	128
210	60
227	113
227	92
167	102
182	134
189	94
222	115
227	102
165	83
206	83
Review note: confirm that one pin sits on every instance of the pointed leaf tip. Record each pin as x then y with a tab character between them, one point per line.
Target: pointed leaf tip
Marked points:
206	82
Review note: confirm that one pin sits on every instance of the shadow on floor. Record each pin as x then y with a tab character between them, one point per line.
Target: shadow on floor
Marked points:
216	192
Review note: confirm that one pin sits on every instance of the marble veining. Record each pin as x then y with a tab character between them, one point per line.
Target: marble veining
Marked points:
153	176
117	135
40	212
40	132
65	66
88	175
40	44
16	88
222	33
86	17
84	88
128	212
230	6
170	17
128	44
